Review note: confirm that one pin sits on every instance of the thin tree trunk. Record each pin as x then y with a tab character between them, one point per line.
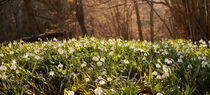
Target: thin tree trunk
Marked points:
31	17
138	19
151	22
80	17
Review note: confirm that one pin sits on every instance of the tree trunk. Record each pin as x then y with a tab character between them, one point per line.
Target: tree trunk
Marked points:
80	17
151	22
31	17
138	19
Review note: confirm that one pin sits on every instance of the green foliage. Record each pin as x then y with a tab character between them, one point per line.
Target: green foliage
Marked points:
91	66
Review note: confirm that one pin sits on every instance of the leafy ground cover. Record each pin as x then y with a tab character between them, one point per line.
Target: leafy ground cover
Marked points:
104	67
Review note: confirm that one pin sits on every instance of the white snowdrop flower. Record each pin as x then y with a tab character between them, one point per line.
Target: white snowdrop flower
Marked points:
165	68
158	66
166	74
13	67
51	73
119	55
189	66
102	82
204	58
11	52
158	77
159	93
100	77
71	50
200	58
3	76
60	51
54	39
145	54
98	91
102	59
60	65
17	71
96	80
126	62
1	55
95	58
87	79
99	64
181	56
109	79
14	62
179	53
83	65
204	64
70	93
155	73
104	72
187	50
3	68
168	61
144	58
180	60
113	91
111	53
90	69
37	57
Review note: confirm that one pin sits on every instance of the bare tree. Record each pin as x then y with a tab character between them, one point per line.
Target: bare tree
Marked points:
80	16
138	19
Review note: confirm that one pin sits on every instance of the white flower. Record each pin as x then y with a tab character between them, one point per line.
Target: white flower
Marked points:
98	91
204	64
111	53
14	62
165	68
99	63
37	57
3	76
180	60
17	71
102	82
200	58
95	58
190	66
83	65
13	66
126	62
104	72
113	91
87	79
70	92
60	51
168	61
158	77
159	93
158	65
100	77
1	55
60	65
51	73
102	60
109	79
11	52
2	68
155	73
165	75
204	58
